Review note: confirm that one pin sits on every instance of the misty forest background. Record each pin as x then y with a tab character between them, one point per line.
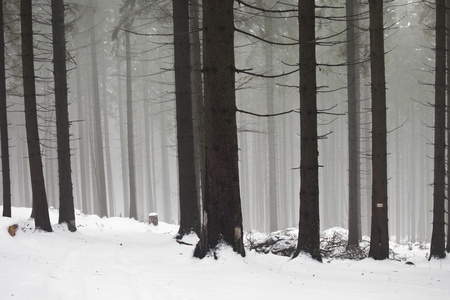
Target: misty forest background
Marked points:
269	147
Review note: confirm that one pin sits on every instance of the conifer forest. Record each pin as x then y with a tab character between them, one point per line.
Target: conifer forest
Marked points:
226	117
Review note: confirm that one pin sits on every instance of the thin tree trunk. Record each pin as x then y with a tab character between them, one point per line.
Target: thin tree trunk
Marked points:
109	176
123	147
437	247
379	237
66	207
99	160
148	143
82	141
189	211
222	216
354	206
271	136
165	171
40	205
309	225
6	173
130	131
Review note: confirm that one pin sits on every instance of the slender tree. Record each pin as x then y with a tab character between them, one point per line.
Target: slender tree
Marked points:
189	211
66	206
130	130
6	174
82	155
309	225
437	247
271	136
222	216
40	205
379	238
98	142
354	205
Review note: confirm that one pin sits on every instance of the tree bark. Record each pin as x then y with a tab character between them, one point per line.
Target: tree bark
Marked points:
379	237
197	98
437	247
66	207
40	205
309	225
354	205
447	21
222	216
189	211
6	174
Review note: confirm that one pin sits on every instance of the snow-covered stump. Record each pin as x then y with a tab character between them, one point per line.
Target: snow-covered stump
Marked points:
153	218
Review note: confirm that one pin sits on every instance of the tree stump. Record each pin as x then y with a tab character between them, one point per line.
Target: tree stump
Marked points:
153	219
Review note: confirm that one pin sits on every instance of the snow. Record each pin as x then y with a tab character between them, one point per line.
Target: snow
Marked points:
118	258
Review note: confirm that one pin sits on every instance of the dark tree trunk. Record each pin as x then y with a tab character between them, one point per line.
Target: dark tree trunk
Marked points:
6	174
197	98
309	225
189	211
222	217
354	205
40	205
66	207
437	247
98	146
447	21
379	237
130	131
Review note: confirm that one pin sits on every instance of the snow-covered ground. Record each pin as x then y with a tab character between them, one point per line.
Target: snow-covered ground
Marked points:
117	258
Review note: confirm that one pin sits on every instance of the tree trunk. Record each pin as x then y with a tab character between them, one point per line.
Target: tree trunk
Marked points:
99	160
165	170
189	211
271	136
197	98
123	147
354	201
82	146
40	206
130	131
447	21
148	140
309	225
379	237
437	247
222	217
109	176
66	207
6	174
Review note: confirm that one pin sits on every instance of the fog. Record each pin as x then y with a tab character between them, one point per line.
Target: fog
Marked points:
409	55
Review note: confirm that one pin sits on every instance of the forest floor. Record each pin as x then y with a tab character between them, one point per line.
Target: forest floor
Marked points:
118	258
